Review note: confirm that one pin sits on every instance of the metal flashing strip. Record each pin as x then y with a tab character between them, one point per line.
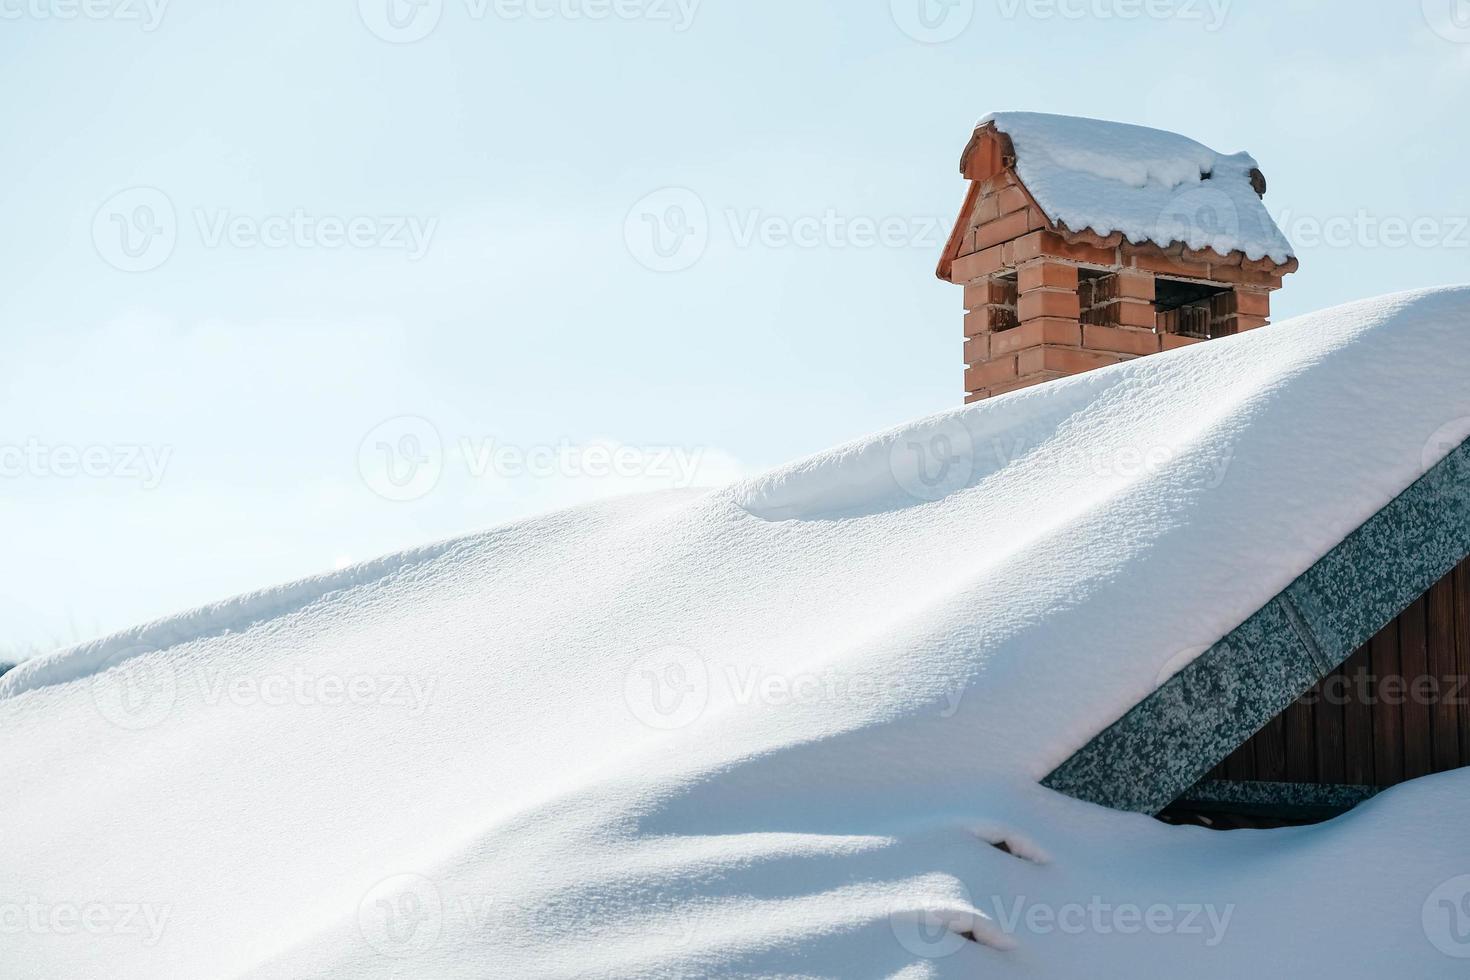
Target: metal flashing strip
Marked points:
1172	738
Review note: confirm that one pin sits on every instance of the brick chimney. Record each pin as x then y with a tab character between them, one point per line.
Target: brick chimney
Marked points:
1084	243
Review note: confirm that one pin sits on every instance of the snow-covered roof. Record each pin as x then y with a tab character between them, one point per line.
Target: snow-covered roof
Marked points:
768	730
1147	184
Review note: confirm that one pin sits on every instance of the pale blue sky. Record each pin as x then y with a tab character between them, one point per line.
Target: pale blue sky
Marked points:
228	394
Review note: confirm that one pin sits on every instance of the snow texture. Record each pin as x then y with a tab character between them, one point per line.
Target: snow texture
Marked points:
1150	185
792	727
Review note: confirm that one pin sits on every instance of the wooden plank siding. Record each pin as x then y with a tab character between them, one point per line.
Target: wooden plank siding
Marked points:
1396	710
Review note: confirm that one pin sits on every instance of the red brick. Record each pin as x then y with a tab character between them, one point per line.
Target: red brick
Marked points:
968	268
988	209
1031	361
1042	274
1244	323
1033	333
1056	246
987	292
1172	341
1002	229
971	397
1239	276
1133	313
1029	381
1022	249
995	372
1070	361
1252	302
1012	199
1048	303
988	319
1133	284
1164	266
1119	339
977	349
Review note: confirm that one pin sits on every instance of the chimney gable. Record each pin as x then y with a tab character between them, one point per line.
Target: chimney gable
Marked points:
1171	245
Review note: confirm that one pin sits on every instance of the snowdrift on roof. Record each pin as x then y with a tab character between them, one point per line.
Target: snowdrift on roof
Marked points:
1150	185
778	729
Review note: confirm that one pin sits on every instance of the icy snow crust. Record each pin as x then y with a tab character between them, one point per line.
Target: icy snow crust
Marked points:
1145	183
770	730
